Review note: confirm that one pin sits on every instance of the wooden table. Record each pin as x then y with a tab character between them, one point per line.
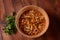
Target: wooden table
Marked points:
52	7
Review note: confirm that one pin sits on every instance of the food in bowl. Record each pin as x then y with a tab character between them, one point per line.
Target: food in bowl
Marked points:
32	22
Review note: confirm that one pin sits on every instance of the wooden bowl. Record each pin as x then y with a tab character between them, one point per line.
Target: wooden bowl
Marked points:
20	12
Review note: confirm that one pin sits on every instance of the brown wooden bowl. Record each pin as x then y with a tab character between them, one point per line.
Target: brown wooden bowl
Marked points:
20	12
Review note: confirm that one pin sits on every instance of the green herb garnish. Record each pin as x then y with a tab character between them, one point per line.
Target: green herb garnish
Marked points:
10	25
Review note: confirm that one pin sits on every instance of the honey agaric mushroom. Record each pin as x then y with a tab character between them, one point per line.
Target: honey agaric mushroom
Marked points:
33	25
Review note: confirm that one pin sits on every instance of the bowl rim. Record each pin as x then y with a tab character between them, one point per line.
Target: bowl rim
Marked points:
43	13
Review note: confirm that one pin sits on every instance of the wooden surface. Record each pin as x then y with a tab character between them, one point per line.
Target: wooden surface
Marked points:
52	7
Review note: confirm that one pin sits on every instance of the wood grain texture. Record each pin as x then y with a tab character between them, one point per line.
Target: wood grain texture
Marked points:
2	11
0	34
52	7
2	15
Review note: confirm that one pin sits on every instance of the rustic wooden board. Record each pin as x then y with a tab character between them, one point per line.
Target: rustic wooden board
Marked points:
52	7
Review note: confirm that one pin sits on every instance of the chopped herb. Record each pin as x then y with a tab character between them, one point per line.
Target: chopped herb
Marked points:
10	25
